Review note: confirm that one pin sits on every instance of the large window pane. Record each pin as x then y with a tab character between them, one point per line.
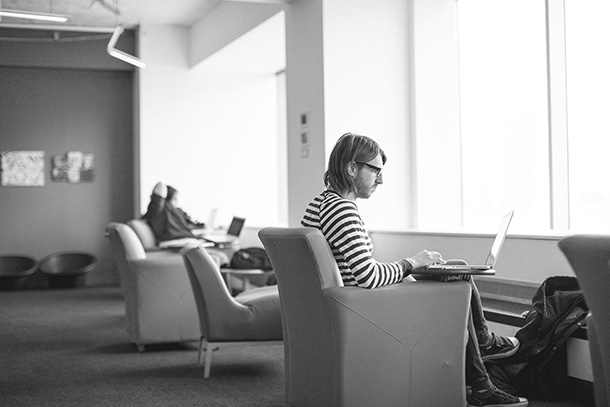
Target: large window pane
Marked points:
588	86
504	113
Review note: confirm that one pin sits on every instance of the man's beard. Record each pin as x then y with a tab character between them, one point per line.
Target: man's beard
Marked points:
362	190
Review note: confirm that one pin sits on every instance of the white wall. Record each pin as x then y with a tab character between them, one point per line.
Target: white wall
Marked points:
208	131
224	23
366	92
164	104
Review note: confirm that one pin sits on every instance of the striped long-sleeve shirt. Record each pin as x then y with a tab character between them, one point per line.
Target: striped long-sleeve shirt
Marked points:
340	222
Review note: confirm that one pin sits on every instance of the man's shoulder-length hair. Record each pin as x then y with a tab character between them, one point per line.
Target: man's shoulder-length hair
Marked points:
349	148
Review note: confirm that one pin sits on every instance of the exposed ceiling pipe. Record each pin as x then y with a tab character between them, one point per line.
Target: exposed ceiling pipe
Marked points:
112	7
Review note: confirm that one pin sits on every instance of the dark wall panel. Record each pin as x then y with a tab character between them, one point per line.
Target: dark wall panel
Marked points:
56	111
67	49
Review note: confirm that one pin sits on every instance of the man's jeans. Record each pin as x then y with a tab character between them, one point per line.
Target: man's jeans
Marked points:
478	332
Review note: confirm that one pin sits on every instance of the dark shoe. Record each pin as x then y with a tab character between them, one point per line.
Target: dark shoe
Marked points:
495	398
499	347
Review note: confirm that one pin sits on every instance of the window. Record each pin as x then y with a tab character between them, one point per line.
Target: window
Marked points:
503	112
531	103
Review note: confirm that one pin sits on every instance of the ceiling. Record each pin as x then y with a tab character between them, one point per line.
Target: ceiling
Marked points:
101	13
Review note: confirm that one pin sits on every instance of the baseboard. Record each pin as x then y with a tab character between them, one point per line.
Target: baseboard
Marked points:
510	291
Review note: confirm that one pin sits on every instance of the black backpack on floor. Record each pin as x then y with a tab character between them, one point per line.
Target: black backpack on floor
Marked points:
539	368
251	258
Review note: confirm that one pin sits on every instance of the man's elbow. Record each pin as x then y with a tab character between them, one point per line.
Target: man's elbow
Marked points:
368	284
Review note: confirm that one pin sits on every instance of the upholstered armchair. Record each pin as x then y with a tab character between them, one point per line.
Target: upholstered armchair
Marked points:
589	256
159	302
252	318
396	345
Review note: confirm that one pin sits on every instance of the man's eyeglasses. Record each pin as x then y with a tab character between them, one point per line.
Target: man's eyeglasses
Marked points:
378	171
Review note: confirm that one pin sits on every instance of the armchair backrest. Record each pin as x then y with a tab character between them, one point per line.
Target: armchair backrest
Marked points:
144	232
589	256
307	248
219	313
125	247
124	242
304	267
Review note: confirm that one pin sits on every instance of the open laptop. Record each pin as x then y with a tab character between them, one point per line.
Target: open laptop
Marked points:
231	236
479	269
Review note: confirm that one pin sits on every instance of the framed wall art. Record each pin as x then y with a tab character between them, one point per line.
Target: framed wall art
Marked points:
22	168
72	167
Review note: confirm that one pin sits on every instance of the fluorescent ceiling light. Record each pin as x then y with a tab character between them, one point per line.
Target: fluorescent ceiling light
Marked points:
56	18
123	56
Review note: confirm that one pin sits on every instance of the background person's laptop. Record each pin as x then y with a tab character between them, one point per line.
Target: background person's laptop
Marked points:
232	234
209	225
487	268
211	219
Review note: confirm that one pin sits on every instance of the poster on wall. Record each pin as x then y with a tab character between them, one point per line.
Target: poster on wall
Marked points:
22	168
72	167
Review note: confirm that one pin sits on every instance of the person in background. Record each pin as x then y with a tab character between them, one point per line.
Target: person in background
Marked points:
167	220
354	171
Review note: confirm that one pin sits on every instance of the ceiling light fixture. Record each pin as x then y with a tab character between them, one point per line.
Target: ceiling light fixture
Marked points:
56	18
118	54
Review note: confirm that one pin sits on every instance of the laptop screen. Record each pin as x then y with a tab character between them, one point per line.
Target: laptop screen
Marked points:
497	244
211	219
236	225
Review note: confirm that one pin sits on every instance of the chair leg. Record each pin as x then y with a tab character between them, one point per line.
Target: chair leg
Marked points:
208	362
210	348
200	350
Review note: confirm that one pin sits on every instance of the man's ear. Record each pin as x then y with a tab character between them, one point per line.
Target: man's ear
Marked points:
352	170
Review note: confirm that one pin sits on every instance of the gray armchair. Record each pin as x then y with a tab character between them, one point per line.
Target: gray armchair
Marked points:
589	256
144	233
252	318
397	345
159	302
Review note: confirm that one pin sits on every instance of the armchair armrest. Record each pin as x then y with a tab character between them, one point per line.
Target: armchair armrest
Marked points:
159	300
414	331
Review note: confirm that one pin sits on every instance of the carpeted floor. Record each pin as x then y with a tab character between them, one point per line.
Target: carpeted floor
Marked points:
69	348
